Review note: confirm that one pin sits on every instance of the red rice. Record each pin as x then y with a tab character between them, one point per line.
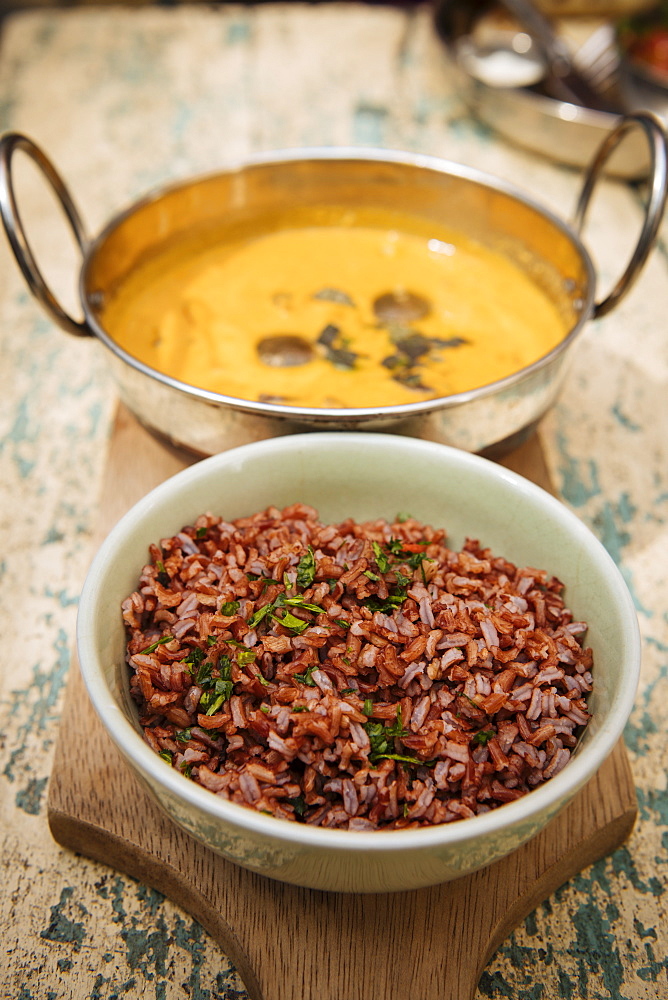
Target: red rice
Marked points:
422	685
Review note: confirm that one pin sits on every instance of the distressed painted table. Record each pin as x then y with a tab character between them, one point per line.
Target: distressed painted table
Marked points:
123	99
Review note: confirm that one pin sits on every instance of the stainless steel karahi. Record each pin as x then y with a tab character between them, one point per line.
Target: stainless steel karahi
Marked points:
489	419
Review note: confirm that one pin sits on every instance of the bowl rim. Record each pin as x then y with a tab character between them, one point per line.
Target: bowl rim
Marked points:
552	794
341	154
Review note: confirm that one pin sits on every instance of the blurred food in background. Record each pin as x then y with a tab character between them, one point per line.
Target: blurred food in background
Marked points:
593	8
506	79
644	43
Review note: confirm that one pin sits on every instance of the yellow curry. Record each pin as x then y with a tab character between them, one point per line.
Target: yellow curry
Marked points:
368	310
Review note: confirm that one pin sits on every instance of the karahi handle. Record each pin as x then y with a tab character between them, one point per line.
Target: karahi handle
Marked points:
11	218
658	187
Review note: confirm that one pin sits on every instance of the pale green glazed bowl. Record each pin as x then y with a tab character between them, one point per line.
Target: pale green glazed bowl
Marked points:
365	476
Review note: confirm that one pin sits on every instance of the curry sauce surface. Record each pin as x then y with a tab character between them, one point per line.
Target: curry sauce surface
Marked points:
200	315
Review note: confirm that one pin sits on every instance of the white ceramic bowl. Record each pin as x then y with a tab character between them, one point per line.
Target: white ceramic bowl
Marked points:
365	476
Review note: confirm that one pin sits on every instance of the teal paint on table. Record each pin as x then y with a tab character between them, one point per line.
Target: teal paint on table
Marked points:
37	703
63	928
30	798
624	419
577	485
370	125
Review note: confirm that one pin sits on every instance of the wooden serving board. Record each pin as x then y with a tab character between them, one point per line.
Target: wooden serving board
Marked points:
297	944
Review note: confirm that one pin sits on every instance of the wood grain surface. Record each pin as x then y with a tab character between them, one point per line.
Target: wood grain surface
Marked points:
295	944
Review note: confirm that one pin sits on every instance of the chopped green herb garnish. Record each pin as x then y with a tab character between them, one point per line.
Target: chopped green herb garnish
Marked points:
382	739
184	736
407	760
203	676
166	755
396	729
348	691
186	769
416	559
367	708
299	602
260	614
206	701
211	640
342	622
246	656
382	562
265	709
306	569
209	683
292	622
305	677
162	575
405	810
299	708
266	609
339	356
402	516
388	605
328	335
408	551
371	576
483	737
298	805
194	657
154	645
378	738
213	699
201	532
229	608
332	583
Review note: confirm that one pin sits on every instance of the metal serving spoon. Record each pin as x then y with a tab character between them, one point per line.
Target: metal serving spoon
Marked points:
564	80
